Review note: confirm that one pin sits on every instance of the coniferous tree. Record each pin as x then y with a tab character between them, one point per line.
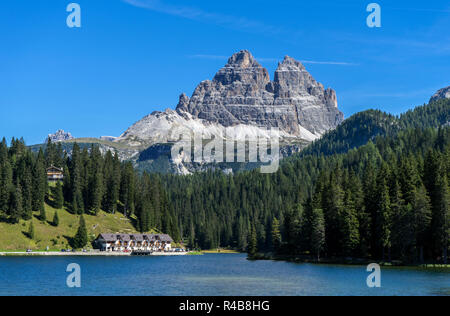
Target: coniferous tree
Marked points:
317	232
252	243
350	226
96	192
24	179
59	196
16	207
50	154
401	220
67	185
31	233
383	216
143	215
126	195
86	170
422	219
242	232
402	233
116	176
293	226
55	221
81	238
95	181
333	207
408	180
77	181
441	218
368	218
306	229
43	214
112	180
39	185
191	243
6	176
276	235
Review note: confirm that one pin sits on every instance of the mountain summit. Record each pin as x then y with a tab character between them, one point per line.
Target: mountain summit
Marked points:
242	93
59	136
443	93
242	96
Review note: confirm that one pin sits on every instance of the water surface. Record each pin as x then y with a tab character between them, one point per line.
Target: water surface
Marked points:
210	274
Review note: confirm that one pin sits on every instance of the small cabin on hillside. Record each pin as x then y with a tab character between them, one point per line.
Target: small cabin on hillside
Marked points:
55	174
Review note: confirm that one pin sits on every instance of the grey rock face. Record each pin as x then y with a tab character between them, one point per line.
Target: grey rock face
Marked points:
242	101
242	93
441	94
59	136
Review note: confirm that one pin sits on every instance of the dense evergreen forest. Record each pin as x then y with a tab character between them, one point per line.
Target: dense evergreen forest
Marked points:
376	187
92	181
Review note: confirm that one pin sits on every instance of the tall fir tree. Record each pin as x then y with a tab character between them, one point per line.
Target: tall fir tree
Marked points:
39	185
441	218
96	181
55	221
317	232
293	226
350	226
59	196
42	214
126	194
252	243
422	220
6	177
276	235
81	238
77	181
383	216
31	233
16	207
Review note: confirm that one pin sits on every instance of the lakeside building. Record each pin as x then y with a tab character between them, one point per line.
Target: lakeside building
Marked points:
134	242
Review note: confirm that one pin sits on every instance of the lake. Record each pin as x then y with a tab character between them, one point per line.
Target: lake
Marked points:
210	274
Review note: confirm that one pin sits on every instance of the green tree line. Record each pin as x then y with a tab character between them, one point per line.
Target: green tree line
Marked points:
376	187
92	182
384	195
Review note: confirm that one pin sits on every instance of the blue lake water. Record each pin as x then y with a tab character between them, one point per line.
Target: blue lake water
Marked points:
212	274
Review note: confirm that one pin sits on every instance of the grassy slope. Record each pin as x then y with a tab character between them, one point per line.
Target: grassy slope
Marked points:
13	237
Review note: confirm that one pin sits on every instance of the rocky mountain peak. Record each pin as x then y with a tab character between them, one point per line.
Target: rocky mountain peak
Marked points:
183	103
290	63
242	93
443	93
242	68
243	59
59	136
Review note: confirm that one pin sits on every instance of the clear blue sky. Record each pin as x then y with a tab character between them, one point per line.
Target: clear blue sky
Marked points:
132	57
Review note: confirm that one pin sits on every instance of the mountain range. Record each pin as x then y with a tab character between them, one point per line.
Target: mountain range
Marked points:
241	102
241	97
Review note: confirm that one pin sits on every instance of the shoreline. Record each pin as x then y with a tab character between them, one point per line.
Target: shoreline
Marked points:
84	254
220	251
110	254
349	262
